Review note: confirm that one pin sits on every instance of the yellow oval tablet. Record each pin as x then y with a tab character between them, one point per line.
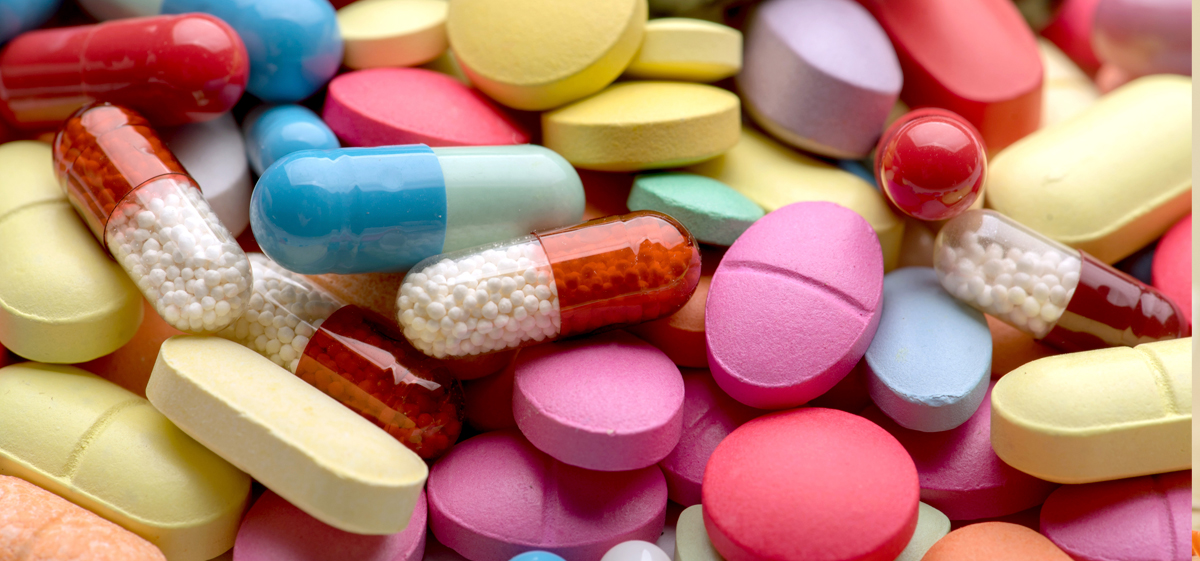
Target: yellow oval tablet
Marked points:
392	32
773	176
540	54
687	49
1066	90
62	299
644	125
304	445
1109	180
107	450
1097	415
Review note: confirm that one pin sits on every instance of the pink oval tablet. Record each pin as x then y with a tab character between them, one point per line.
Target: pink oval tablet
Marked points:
709	415
1136	519
794	304
1172	269
609	402
275	530
960	473
495	496
813	484
387	106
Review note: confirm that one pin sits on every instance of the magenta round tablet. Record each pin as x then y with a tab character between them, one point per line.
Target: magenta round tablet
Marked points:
1137	519
810	484
388	106
960	473
495	496
709	415
608	402
274	530
794	304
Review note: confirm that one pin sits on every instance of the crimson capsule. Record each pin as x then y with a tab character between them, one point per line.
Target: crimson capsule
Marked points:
931	163
172	69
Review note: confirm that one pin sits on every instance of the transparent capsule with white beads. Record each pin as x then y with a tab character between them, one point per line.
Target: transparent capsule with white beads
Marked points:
1059	295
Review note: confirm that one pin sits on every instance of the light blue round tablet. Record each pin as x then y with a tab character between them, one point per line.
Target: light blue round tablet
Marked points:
537	556
930	361
712	211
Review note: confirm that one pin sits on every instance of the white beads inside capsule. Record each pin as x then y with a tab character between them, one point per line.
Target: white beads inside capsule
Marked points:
179	254
1007	270
481	300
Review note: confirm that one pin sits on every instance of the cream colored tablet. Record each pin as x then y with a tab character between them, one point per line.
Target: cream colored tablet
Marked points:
687	49
932	526
774	176
105	449
1097	415
1066	90
691	539
62	299
392	32
540	54
644	125
1109	180
299	442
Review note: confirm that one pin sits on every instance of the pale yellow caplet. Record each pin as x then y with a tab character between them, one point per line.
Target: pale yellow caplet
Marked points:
773	176
541	54
107	450
644	125
1066	90
1097	415
1109	180
62	299
392	32
304	445
687	49
691	538
932	526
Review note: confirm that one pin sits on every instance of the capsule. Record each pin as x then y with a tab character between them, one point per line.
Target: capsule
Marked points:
931	164
604	273
353	355
272	132
1060	295
383	209
173	69
141	204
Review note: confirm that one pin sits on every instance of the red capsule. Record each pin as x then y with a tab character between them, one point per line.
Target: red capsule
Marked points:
931	163
173	69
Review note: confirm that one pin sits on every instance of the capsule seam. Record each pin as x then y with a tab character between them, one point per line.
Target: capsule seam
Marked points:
789	274
1162	380
94	431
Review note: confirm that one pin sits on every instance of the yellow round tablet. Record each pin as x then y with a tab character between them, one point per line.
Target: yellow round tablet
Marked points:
687	49
645	125
541	54
392	32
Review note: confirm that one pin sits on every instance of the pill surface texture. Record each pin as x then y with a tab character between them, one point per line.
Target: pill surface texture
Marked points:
109	451
610	402
1097	415
644	125
540	54
822	266
325	459
994	541
772	474
820	75
687	49
711	211
691	539
392	32
496	496
40	526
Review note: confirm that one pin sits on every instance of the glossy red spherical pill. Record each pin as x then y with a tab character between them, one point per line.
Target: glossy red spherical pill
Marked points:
931	164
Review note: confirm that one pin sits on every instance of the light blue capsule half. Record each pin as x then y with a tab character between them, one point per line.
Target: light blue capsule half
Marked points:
272	132
537	556
930	361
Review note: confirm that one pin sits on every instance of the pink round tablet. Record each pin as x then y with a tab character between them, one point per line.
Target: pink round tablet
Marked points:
1172	269
387	106
495	496
960	473
274	530
793	305
609	402
814	484
1136	519
709	415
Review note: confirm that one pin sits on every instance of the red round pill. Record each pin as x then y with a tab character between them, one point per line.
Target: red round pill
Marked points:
931	163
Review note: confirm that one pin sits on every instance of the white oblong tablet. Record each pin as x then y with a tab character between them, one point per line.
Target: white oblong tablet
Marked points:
304	445
392	32
214	154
